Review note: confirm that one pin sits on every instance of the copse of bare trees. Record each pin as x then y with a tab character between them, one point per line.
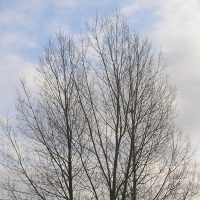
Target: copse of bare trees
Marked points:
102	124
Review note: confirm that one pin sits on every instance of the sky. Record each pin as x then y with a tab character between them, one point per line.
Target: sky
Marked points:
172	26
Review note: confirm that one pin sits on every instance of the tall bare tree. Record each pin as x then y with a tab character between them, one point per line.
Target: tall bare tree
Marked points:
136	150
102	125
47	161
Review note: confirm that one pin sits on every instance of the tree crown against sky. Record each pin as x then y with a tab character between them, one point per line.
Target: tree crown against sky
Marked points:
102	124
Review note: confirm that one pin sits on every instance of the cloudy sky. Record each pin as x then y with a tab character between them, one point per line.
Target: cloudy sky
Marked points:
172	25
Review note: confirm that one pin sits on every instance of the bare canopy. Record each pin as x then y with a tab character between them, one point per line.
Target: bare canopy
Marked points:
101	125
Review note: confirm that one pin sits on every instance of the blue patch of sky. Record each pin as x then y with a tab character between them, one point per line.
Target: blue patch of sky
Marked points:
7	4
72	18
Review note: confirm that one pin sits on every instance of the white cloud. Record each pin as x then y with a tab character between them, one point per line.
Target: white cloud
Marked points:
12	66
15	40
130	10
178	31
175	29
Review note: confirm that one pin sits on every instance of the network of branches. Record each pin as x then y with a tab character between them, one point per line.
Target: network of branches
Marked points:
101	125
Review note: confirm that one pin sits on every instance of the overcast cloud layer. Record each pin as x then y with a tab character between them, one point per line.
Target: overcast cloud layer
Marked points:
173	26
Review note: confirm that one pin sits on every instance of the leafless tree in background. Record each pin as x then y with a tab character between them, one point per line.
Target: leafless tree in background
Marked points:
102	126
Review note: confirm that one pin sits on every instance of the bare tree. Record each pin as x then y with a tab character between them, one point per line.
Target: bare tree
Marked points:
102	126
136	151
47	161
